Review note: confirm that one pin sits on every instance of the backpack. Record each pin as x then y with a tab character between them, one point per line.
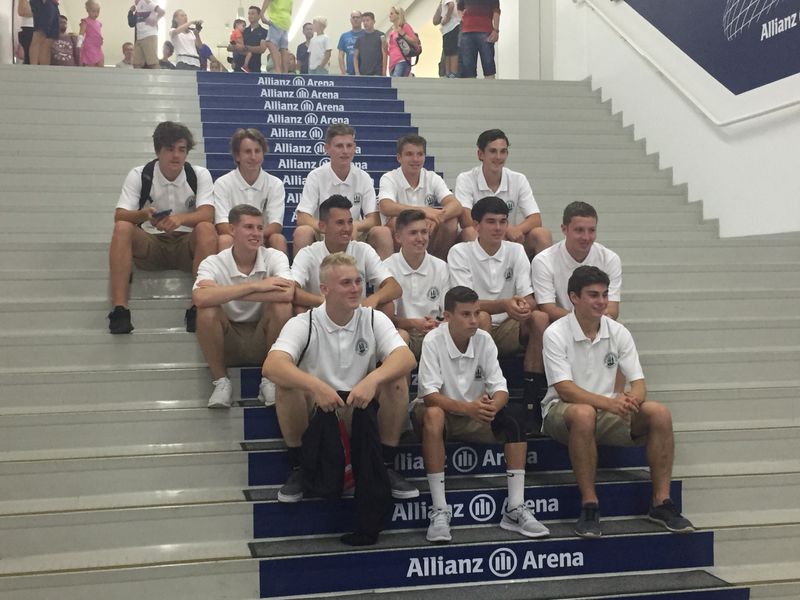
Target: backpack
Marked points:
147	181
409	49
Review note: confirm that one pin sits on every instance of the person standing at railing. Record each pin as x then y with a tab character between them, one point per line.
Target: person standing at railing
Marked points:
400	31
480	30
278	15
185	38
91	36
45	30
65	51
26	31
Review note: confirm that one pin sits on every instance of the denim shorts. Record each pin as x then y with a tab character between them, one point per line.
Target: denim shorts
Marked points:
401	69
279	37
471	45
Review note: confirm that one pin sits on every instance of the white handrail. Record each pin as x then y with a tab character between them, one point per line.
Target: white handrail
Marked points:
676	84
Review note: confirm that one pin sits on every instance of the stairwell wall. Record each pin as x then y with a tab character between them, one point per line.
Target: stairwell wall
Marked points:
745	174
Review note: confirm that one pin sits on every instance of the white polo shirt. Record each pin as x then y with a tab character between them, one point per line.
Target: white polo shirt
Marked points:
464	377
423	288
322	183
305	268
339	356
267	194
552	268
222	269
504	275
175	195
514	190
431	191
591	364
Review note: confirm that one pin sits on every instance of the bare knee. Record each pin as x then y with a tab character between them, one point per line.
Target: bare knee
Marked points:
123	231
581	419
485	321
224	241
433	419
208	317
404	335
657	416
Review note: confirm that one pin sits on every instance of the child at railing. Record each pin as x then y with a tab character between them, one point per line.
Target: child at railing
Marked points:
90	39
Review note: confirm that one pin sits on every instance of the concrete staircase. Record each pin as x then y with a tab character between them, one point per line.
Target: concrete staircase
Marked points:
116	481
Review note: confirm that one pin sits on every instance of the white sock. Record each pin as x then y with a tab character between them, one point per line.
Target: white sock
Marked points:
436	485
516	488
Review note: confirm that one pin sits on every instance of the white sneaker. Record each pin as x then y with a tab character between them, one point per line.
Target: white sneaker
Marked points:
521	520
221	397
266	392
439	529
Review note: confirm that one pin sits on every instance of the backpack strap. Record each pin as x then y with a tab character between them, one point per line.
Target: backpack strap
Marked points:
148	171
308	339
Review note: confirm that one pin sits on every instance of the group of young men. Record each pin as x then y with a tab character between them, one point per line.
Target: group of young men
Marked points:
369	293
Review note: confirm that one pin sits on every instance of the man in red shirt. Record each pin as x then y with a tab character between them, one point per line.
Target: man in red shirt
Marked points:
480	28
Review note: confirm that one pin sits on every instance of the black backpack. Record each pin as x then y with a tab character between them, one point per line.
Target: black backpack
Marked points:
147	181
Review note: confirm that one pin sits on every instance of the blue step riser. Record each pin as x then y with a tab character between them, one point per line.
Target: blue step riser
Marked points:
315	146
301	117
302	105
484	562
723	594
275	163
315	82
304	132
270	467
474	507
294	176
210	90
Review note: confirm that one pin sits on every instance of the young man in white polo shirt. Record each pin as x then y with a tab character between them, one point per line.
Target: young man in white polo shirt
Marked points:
463	395
244	298
583	352
412	186
336	222
424	279
492	178
249	184
336	347
552	268
341	177
499	271
172	229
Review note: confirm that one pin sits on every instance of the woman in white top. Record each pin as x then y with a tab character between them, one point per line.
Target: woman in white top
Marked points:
185	37
25	34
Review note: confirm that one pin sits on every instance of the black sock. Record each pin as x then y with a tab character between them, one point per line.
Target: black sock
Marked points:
359	539
295	457
534	386
389	453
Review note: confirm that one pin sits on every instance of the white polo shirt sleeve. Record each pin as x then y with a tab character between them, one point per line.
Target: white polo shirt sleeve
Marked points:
209	270
223	199
302	265
543	279
131	189
557	367
628	356
459	266
310	198
387	188
205	187
430	375
522	270
276	200
464	189
374	269
387	339
495	381
437	187
526	203
369	202
613	269
292	338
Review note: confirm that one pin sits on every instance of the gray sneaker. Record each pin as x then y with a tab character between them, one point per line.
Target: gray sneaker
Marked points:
588	525
292	490
522	520
439	529
401	489
668	515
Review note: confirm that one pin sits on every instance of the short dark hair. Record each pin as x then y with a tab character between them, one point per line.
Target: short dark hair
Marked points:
578	209
368	13
460	293
414	140
489	204
255	8
583	276
240	210
489	136
247	134
335	201
339	129
169	133
237	21
407	217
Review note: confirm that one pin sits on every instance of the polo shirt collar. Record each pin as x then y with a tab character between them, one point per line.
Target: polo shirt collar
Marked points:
260	266
482	256
579	336
336	180
242	185
452	350
406	269
484	187
407	185
332	327
163	181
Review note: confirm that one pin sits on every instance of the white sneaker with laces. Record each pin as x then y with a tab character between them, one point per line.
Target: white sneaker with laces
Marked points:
221	397
522	520
439	528
266	392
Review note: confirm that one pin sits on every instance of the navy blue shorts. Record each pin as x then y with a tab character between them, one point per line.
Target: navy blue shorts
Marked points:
45	18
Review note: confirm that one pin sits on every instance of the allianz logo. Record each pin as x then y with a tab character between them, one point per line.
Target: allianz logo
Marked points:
304	106
481	508
300	93
296	81
465	459
502	563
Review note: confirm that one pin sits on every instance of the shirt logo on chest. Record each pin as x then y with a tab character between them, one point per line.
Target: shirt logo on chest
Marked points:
430	200
478	373
362	347
191	201
509	274
510	204
433	293
611	360
356	198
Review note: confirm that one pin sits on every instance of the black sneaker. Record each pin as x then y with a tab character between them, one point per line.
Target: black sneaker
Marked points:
588	525
292	490
119	320
191	319
667	514
401	488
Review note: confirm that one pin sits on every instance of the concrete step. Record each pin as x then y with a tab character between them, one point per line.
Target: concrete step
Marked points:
578	169
758	554
95	77
720	275
709	303
436	127
413	87
117	93
189	116
74	106
736	250
92	283
465	153
425	103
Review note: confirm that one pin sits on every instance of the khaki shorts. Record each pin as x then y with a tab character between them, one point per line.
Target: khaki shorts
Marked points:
415	342
166	251
456	427
506	338
145	52
245	344
611	429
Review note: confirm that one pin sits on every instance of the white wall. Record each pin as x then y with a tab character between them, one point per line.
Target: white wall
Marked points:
7	31
731	169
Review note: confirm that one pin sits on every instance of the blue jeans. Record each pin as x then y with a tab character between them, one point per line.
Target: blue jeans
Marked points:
471	45
401	69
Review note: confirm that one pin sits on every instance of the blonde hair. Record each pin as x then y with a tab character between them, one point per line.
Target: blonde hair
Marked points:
322	21
337	259
401	15
90	3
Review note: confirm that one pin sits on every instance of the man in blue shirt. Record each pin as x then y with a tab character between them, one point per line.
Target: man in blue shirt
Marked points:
347	43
